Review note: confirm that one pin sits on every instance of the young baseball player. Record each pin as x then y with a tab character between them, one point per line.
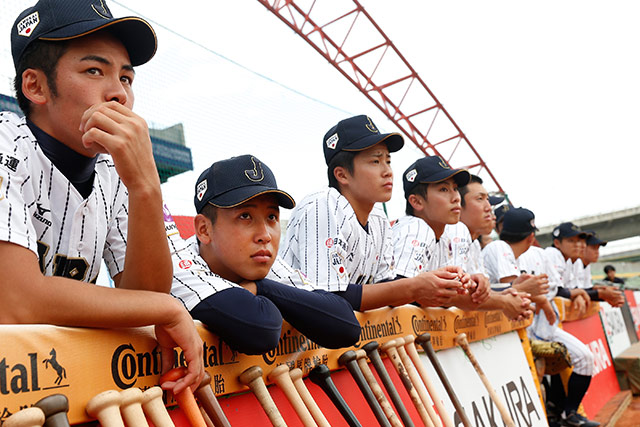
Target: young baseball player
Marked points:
513	255
78	182
609	294
341	238
242	291
430	236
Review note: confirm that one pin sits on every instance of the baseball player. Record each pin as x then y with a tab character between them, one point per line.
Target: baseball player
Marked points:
514	255
340	237
242	291
78	182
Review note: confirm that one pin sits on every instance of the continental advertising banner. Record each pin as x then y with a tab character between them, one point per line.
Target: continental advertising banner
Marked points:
40	360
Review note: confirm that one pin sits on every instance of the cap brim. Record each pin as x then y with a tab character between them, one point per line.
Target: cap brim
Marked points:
394	142
137	36
460	176
238	196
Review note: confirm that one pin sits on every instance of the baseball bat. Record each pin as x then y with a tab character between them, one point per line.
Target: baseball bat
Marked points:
131	407
461	340
321	376
417	382
252	377
316	413
55	408
371	349
348	359
154	408
424	341
280	375
361	356
392	353
210	404
410	347
105	407
185	399
28	417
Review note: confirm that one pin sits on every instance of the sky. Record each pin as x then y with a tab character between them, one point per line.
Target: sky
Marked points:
547	92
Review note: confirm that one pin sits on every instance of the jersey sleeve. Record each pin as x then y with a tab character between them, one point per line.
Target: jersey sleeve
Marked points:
282	272
413	244
316	243
499	261
16	195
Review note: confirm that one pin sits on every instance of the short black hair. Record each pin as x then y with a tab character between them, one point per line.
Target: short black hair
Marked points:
464	189
608	268
210	212
419	190
514	237
341	159
39	55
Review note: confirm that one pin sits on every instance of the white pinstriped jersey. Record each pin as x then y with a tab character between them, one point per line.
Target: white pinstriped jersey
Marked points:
499	261
326	242
453	248
535	261
476	261
193	281
413	246
43	212
564	268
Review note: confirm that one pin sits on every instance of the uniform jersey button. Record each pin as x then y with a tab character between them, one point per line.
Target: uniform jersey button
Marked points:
80	246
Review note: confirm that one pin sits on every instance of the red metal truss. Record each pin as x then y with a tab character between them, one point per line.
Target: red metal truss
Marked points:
346	36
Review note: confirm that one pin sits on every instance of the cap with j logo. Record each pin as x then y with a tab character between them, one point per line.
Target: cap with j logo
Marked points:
230	182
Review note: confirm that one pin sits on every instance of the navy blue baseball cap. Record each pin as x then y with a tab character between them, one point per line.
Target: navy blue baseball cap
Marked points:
356	134
495	200
431	170
593	239
58	20
230	182
568	229
499	211
518	221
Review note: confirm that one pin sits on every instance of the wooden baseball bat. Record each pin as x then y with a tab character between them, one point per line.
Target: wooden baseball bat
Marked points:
361	356
28	417
316	413
409	344
371	349
321	376
392	353
417	383
55	408
348	359
105	407
252	377
185	398
424	341
154	408
280	375
210	404
131	407
461	340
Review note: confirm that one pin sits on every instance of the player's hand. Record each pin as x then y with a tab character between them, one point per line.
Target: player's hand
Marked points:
612	295
534	285
436	288
482	290
515	305
181	333
544	304
579	304
110	127
578	292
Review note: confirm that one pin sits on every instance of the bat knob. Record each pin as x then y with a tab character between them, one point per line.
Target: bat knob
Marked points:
319	374
409	339
389	344
371	346
55	407
461	338
174	374
360	354
346	357
296	374
250	374
206	380
423	338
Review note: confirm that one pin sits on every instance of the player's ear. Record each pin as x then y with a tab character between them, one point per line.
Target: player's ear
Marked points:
341	174
203	227
34	86
417	203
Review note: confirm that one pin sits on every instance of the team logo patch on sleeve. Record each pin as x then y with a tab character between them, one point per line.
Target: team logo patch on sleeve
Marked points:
337	262
332	141
27	24
201	189
185	264
411	175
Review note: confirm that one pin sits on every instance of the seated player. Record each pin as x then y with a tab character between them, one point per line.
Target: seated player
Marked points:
609	294
514	255
431	236
78	183
610	275
236	293
341	238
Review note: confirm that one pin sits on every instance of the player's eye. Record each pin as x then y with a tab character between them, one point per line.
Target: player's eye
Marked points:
274	217
244	215
93	71
127	80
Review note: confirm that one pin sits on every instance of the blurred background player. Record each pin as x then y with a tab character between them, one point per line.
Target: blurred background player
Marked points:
233	286
78	182
610	275
341	238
